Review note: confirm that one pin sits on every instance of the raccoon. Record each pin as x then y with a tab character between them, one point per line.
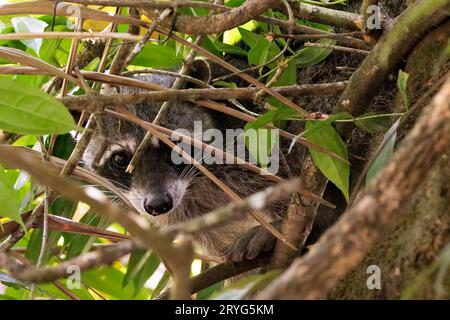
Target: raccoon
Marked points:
169	193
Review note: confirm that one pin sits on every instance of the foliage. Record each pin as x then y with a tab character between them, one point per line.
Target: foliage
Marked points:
29	112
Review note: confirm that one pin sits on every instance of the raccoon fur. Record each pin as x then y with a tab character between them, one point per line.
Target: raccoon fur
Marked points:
168	193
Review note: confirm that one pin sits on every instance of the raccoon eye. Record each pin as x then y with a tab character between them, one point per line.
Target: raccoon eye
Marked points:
120	159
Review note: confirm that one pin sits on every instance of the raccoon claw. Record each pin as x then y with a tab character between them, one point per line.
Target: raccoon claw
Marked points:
251	244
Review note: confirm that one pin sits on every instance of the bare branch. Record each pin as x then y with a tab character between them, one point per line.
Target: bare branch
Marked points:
404	33
102	256
337	18
236	209
83	102
220	22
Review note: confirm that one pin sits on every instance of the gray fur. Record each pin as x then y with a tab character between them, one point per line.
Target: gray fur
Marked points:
156	170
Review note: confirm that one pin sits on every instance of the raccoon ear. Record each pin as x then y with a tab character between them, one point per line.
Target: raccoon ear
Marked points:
201	70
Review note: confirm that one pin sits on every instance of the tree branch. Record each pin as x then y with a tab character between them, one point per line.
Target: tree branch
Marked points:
102	256
83	102
395	42
220	22
337	18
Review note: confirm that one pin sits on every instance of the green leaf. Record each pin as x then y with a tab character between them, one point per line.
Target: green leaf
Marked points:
156	56
78	243
244	288
318	124
208	292
384	154
108	280
208	44
402	82
261	147
288	77
62	207
26	141
9	201
261	48
310	56
259	54
233	36
225	84
336	170
28	24
249	37
227	48
161	284
28	110
259	141
141	265
372	122
63	146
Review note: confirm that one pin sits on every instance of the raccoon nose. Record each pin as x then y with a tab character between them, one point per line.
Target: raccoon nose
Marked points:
158	203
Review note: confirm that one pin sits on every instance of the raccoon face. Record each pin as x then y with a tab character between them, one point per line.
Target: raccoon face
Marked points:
155	186
158	184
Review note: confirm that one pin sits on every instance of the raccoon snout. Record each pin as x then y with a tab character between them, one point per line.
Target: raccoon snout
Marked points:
158	203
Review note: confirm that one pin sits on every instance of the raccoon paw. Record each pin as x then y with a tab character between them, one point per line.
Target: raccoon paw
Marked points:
253	242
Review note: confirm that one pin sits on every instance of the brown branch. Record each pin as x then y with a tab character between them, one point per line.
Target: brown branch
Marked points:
337	18
78	173
237	209
220	273
402	35
140	45
345	244
187	78
102	256
125	48
83	102
149	4
18	56
220	22
338	48
199	144
298	223
303	11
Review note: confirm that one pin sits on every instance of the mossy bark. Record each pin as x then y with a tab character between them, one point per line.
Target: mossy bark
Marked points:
408	255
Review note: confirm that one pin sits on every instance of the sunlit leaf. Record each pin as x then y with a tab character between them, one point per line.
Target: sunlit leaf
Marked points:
28	110
9	201
227	48
336	170
156	56
29	24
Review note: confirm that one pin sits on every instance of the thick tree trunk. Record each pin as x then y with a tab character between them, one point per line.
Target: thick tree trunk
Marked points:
410	256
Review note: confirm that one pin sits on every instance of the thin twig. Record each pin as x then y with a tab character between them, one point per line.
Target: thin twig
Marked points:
339	48
147	36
